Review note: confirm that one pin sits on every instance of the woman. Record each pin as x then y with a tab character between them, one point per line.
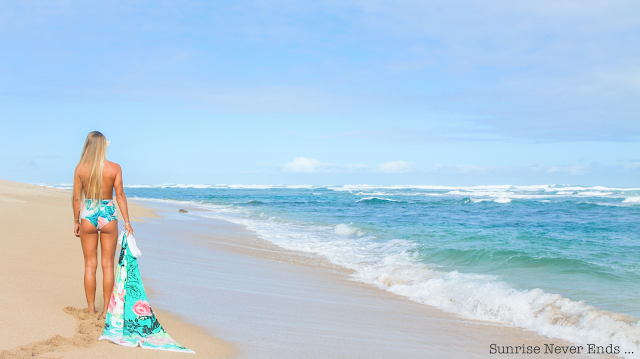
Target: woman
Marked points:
95	218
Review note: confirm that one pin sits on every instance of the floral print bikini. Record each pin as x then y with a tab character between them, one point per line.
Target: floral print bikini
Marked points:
99	214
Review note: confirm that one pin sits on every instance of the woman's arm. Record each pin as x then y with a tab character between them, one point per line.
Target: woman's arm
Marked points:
77	194
122	200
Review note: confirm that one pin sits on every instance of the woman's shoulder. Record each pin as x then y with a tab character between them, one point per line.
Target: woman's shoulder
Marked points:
112	166
81	168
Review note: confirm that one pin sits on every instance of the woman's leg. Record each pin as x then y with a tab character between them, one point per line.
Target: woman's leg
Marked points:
89	240
108	243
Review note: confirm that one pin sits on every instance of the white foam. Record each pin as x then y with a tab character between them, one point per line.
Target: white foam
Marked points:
422	187
502	200
392	266
631	200
347	229
565	193
498	195
58	186
250	186
403	194
594	194
478	200
593	188
497	200
198	186
484	298
376	194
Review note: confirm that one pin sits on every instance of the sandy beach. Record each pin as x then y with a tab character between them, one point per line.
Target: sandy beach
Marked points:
218	289
320	179
43	306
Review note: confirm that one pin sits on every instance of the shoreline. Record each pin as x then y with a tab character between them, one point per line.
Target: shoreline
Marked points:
548	275
254	299
44	309
233	249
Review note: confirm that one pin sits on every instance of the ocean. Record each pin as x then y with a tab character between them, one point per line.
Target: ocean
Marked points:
560	260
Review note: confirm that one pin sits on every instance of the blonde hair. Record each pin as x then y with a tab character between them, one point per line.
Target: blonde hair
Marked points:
94	154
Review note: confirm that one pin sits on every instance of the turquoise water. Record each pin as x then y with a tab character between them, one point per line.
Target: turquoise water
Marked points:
560	260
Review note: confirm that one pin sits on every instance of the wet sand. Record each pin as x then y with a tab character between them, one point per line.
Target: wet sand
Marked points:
276	303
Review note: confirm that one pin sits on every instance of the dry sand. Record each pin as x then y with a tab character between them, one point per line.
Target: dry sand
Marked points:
42	304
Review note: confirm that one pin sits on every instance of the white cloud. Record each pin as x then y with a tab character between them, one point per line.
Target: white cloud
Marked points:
396	167
306	165
309	165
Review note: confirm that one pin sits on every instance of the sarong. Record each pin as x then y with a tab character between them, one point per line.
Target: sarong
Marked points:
130	321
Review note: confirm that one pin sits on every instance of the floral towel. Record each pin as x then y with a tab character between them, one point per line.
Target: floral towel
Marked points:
130	320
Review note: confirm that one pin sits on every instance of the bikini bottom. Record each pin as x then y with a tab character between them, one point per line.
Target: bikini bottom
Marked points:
99	214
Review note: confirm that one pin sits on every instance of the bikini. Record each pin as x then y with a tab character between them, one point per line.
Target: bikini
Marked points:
99	214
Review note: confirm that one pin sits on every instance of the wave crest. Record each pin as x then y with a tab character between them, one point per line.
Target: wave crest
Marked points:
347	230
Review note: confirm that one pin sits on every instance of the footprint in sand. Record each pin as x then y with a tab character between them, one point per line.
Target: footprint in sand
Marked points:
88	328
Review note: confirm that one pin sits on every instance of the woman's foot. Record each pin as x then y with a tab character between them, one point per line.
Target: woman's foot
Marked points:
91	310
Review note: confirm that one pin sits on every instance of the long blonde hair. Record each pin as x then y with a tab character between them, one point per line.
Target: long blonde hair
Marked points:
94	154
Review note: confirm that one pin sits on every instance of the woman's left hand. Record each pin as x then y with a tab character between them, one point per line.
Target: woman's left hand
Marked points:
76	229
127	227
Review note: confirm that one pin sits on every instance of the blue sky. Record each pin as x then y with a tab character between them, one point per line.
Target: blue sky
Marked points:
324	92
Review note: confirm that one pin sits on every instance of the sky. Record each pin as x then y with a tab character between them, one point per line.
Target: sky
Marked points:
324	92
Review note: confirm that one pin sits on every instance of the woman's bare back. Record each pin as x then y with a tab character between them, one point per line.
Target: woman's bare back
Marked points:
110	173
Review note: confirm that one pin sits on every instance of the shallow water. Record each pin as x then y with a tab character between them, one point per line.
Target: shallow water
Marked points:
275	303
558	260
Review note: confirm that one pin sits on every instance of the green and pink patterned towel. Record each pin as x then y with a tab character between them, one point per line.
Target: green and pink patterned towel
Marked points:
130	320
